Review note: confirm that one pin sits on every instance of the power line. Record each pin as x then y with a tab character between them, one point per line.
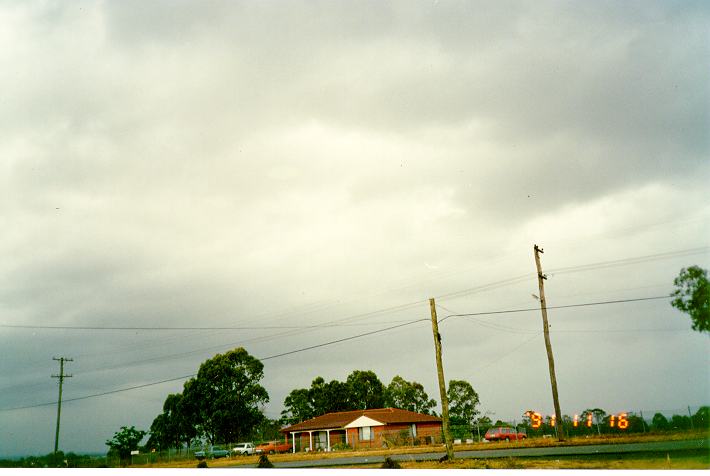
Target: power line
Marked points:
109	392
510	352
193	352
361	316
577	268
628	261
342	340
350	338
150	384
488	325
235	328
510	311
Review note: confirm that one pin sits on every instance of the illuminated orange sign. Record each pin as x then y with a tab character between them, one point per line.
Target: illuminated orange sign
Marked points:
619	420
535	419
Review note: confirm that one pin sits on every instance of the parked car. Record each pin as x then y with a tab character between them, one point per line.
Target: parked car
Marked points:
273	447
212	452
503	433
243	449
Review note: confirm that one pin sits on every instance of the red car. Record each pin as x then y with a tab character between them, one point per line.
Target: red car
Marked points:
502	433
273	447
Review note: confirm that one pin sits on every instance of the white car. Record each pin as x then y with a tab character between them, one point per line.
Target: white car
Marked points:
243	449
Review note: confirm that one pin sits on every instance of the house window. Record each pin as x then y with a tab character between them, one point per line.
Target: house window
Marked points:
366	433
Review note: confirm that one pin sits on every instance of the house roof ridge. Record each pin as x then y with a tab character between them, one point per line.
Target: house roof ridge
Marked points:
386	416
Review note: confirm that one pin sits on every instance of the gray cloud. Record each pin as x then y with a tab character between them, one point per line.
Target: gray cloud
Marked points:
298	163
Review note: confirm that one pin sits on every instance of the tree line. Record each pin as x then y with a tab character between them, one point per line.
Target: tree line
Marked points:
362	389
224	401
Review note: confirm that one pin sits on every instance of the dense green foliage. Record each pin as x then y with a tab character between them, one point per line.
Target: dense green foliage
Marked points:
124	441
221	404
223	401
692	296
366	390
408	396
172	428
361	390
55	460
463	400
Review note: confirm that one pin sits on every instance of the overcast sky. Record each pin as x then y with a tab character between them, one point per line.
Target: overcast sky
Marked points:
227	164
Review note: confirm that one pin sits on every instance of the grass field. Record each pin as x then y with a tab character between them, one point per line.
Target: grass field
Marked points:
675	462
684	460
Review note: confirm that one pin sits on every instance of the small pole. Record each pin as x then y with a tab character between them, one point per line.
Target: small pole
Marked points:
61	378
691	418
442	382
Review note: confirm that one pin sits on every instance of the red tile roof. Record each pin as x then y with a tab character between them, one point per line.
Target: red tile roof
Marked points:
387	416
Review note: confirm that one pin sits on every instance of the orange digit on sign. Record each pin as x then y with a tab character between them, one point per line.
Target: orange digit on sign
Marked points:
623	422
589	420
536	420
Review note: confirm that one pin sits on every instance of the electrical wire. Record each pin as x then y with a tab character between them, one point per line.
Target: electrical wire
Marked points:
150	384
510	311
370	333
362	316
628	261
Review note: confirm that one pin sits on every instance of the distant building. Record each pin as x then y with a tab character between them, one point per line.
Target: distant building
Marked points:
364	429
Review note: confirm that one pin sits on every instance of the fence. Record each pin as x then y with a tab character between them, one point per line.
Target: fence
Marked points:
639	421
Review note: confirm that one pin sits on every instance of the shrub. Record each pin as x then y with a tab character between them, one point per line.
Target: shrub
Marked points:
202	464
341	447
389	463
264	462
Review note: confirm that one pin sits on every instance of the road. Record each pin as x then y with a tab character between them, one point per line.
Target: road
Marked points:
648	447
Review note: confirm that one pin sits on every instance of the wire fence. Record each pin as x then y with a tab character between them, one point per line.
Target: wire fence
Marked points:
591	422
688	418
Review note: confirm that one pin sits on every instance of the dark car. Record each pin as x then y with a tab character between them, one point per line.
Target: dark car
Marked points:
504	433
212	452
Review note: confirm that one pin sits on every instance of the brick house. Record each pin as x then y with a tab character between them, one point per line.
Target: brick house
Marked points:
373	428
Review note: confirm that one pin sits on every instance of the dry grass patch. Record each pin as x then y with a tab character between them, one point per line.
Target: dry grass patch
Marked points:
660	462
535	463
528	443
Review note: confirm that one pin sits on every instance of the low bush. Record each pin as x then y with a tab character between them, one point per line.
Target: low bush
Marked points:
389	463
341	447
264	462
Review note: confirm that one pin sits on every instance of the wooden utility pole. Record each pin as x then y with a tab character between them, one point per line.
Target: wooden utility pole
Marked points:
550	359
61	378
442	382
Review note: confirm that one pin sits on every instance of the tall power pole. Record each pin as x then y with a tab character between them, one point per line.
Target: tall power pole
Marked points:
550	359
61	378
442	382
